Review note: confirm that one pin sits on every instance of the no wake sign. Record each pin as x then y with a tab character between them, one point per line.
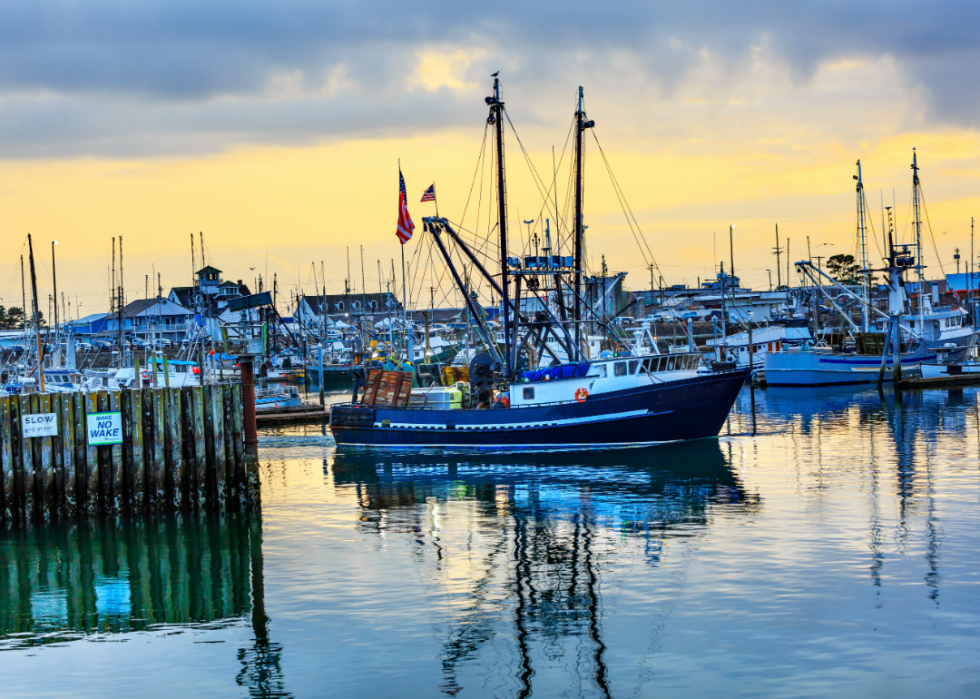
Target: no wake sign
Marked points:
104	428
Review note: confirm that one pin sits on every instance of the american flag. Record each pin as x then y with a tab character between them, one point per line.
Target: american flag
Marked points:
405	225
430	193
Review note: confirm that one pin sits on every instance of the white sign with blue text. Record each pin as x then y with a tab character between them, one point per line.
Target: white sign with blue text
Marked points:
39	425
104	428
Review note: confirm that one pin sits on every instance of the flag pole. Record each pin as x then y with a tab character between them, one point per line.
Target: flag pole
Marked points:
408	332
435	198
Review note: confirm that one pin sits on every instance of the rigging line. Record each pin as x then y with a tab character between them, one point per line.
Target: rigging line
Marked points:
622	195
871	225
476	172
538	182
931	235
629	223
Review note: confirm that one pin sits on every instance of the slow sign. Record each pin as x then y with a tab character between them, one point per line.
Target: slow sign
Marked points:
104	428
39	425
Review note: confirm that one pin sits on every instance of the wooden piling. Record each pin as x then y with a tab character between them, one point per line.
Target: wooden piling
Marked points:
103	456
117	469
46	499
28	407
157	470
218	430
7	510
136	466
176	477
66	436
200	449
78	403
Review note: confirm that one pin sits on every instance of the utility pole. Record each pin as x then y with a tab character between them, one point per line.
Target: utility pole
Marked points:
956	257
778	249
787	264
731	251
769	272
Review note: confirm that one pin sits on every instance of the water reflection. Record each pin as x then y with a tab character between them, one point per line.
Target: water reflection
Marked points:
529	573
81	582
904	434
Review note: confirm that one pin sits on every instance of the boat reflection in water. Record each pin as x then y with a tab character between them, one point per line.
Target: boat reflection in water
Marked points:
61	584
527	572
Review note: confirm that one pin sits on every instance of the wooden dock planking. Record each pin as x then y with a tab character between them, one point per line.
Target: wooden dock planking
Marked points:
181	449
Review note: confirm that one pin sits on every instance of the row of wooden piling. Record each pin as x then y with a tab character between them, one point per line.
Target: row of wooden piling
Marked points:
182	449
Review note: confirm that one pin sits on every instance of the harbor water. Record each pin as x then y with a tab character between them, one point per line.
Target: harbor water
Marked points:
826	544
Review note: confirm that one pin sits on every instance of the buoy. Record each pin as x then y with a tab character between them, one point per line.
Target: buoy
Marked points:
581	394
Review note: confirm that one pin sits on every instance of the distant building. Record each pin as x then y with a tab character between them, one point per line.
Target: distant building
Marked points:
313	311
145	319
208	300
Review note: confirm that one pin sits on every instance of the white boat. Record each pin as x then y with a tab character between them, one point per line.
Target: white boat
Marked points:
765	340
276	396
944	367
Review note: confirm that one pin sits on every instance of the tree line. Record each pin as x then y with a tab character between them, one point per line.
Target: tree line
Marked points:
13	318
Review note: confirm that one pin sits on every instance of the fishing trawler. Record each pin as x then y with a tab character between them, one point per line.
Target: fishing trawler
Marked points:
906	337
507	403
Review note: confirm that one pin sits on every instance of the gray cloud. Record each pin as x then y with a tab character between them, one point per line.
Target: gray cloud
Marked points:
109	77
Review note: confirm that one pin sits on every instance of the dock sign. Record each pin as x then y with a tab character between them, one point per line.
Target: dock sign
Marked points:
39	425
104	428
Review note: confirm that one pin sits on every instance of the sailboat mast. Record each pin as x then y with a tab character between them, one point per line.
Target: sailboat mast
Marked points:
23	293
862	233
496	112
37	323
918	234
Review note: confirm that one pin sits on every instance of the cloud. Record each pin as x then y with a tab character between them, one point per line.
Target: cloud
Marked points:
107	77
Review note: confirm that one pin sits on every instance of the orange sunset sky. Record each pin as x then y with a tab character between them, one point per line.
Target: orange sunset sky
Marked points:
278	133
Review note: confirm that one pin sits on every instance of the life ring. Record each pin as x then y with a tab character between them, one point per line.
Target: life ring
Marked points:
581	394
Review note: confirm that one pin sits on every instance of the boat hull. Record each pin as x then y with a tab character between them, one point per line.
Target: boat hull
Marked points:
832	369
689	409
962	346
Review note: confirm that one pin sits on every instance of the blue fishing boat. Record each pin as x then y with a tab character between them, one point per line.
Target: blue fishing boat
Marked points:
623	398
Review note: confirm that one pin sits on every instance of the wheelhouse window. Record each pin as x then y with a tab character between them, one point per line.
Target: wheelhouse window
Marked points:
620	369
634	365
529	393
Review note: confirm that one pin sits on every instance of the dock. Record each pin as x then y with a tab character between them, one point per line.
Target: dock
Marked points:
74	456
296	415
955	381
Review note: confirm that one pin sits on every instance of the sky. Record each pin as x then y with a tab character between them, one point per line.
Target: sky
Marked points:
276	130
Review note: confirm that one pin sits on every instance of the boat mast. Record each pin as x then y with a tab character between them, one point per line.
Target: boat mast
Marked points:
496	116
862	233
37	322
577	283
918	236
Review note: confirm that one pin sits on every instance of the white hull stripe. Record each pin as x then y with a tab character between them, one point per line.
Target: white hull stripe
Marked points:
525	425
502	447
